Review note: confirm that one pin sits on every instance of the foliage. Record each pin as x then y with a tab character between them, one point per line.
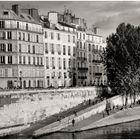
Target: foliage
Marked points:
122	60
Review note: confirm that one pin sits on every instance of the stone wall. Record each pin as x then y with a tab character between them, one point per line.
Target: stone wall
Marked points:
23	107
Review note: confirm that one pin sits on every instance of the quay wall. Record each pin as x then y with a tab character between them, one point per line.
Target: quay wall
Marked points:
24	107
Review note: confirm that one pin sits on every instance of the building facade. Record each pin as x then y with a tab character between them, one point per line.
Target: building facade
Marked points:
56	50
60	53
96	46
21	50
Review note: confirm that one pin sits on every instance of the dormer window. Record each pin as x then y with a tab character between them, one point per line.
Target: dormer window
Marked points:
5	13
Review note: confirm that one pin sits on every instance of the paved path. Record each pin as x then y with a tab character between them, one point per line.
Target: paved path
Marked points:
129	114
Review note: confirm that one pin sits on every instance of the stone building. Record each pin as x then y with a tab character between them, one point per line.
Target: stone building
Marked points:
95	46
60	52
21	49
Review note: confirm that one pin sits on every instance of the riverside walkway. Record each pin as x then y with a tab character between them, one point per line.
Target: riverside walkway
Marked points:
118	123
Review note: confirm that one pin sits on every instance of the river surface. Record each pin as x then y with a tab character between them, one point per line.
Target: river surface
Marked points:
130	135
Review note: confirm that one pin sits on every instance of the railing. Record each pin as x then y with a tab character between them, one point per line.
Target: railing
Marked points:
98	74
83	69
97	61
82	58
82	77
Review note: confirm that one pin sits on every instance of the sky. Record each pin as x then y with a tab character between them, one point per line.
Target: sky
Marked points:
106	15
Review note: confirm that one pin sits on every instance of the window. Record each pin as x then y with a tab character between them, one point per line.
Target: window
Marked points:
26	26
2	59
58	49
52	48
34	60
37	60
46	34
64	50
47	63
46	47
41	61
73	39
52	36
9	59
83	36
2	48
65	76
96	47
33	49
89	57
68	38
77	44
37	38
80	44
19	35
89	47
53	75
24	60
10	47
2	24
24	36
64	63
58	36
2	35
29	49
9	35
59	75
20	60
69	51
19	47
59	63
80	35
5	13
17	25
53	66
29	83
28	37
74	51
29	60
69	63
84	45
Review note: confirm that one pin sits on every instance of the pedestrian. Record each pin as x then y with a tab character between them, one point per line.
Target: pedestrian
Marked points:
73	122
107	107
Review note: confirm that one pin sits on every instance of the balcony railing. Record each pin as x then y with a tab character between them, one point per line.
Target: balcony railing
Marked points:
82	77
98	74
82	58
97	61
83	69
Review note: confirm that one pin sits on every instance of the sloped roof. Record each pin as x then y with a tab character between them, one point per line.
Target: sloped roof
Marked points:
12	15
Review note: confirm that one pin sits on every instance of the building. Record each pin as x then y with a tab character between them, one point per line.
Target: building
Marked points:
95	45
59	52
21	49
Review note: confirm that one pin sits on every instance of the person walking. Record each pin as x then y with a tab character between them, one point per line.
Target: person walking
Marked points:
73	122
108	107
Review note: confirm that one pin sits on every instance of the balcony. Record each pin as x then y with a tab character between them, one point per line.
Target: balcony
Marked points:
98	74
82	77
82	58
97	61
83	69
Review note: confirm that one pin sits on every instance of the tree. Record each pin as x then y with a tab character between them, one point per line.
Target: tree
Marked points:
122	60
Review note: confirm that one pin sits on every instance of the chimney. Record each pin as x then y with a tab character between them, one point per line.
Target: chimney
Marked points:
16	8
53	17
95	30
34	13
